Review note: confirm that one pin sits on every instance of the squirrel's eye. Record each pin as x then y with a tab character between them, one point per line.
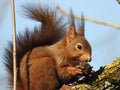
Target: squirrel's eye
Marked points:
79	46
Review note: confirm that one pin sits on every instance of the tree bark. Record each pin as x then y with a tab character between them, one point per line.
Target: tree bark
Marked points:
106	78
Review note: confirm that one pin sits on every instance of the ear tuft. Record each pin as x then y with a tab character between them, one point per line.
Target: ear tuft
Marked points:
82	26
71	32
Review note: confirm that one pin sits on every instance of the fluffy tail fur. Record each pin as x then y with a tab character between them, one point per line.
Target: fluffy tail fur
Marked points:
49	32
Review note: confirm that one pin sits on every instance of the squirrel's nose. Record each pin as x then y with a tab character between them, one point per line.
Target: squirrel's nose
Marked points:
87	58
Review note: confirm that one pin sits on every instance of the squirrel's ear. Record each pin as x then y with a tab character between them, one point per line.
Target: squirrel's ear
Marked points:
70	34
82	26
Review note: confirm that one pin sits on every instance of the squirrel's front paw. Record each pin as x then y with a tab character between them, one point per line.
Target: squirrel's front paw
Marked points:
65	87
78	70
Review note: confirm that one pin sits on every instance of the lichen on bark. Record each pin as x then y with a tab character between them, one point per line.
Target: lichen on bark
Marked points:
106	78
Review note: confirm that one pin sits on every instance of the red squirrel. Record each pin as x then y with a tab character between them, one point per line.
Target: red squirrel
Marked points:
48	57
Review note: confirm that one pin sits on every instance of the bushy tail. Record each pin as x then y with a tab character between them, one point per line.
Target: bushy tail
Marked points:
48	33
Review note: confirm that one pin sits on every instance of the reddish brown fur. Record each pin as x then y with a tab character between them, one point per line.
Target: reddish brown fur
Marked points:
46	62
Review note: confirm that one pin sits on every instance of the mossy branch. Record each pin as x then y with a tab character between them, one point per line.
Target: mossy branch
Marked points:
106	78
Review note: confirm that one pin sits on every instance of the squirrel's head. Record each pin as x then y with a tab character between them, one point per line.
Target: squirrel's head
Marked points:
77	47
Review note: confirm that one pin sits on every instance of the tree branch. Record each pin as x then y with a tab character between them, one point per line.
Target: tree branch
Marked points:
106	78
117	26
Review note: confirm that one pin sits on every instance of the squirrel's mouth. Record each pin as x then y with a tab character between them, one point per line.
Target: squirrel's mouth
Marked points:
78	59
82	59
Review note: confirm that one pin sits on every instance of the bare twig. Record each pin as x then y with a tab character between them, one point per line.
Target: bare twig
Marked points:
117	26
118	1
14	45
